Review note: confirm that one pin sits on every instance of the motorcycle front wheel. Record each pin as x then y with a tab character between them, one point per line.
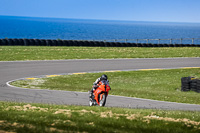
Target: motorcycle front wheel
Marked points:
102	101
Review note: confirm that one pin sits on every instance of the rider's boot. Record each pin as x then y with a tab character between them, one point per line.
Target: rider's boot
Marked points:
91	97
91	93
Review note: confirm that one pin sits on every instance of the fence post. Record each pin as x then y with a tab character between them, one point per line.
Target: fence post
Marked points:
25	43
136	41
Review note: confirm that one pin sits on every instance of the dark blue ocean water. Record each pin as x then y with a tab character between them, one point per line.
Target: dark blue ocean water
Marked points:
77	29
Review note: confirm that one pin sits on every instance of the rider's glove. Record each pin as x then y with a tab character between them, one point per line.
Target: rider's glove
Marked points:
95	85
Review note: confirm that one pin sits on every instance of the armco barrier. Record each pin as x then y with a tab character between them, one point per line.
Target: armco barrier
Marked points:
49	42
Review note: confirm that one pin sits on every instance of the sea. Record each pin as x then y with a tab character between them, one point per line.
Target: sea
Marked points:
86	29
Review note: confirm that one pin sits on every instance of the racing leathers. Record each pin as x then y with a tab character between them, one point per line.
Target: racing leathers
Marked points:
95	85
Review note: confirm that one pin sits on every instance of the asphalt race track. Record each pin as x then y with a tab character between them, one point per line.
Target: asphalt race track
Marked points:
12	70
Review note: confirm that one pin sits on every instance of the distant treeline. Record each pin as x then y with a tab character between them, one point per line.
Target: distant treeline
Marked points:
58	42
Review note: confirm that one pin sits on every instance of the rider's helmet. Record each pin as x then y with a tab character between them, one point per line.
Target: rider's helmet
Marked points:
104	77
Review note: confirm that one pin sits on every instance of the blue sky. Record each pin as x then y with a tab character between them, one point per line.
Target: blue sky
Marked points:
133	10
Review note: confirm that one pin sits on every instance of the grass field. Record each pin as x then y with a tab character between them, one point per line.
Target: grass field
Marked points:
164	85
11	53
156	84
41	118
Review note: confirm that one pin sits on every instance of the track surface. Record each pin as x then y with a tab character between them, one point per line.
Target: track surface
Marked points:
20	69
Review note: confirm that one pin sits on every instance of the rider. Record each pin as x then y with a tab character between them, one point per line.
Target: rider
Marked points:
95	84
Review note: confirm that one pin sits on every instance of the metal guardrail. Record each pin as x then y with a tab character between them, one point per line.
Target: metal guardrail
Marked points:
147	41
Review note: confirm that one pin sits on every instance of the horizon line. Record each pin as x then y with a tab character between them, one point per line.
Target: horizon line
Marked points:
100	19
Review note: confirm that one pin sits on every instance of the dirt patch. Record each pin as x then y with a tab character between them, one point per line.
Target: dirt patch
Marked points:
64	111
6	124
132	116
91	124
106	114
117	116
52	129
27	108
187	122
83	111
2	131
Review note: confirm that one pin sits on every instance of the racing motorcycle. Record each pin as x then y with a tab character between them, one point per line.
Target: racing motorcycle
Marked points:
100	94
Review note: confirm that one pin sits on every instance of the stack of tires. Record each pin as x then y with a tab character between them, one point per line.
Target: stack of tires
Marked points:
195	85
185	83
198	86
190	83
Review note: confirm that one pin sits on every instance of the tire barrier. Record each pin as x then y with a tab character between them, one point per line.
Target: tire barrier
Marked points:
49	42
65	43
10	41
16	42
43	42
53	43
26	42
190	83
59	43
74	43
32	42
38	42
185	83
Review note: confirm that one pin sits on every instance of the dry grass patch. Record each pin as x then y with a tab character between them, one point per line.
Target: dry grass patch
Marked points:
16	117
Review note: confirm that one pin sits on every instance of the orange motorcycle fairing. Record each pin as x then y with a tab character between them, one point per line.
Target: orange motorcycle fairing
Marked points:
101	93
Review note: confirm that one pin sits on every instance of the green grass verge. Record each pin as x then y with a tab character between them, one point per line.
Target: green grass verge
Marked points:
164	85
41	118
12	53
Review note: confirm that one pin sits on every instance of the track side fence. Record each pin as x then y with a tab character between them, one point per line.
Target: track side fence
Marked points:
103	43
